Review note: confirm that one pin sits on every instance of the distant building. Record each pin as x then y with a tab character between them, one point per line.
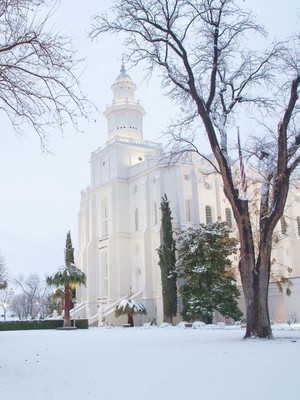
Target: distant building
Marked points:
120	219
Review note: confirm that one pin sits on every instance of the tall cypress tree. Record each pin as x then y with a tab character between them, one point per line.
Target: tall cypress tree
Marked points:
167	260
69	260
69	250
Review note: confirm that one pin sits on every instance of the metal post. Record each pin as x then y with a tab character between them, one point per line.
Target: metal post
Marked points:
74	302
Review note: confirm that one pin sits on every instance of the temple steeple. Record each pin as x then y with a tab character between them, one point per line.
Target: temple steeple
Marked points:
125	115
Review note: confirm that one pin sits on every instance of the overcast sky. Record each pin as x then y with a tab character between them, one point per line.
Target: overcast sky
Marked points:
40	194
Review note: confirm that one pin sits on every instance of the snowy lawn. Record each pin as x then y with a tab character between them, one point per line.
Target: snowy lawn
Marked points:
149	364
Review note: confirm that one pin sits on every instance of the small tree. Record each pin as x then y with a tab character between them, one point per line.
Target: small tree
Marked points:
32	301
130	307
20	306
203	261
67	276
167	260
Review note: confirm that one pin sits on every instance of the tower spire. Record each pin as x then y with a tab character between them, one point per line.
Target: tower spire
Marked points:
123	70
125	115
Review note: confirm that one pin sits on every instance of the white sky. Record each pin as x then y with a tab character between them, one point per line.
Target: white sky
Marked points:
40	194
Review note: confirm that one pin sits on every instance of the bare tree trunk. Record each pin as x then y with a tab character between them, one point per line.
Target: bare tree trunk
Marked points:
256	303
255	274
67	320
168	319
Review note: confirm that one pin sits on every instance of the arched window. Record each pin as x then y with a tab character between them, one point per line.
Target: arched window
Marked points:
138	280
228	217
136	219
208	214
104	217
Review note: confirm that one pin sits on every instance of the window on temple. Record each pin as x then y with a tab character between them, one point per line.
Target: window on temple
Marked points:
105	217
138	280
208	214
136	219
155	212
228	216
105	274
188	210
283	225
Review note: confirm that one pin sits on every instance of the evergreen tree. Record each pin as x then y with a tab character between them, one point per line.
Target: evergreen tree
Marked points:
69	250
69	259
209	277
167	262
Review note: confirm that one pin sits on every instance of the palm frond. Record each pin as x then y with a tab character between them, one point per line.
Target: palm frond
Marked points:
67	275
130	306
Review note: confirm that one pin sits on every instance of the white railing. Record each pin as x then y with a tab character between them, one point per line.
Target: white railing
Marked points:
78	309
120	139
106	311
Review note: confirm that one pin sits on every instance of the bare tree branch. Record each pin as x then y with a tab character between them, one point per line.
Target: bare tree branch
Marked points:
39	85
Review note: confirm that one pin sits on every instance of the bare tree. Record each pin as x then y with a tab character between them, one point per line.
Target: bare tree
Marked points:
38	82
20	306
33	299
202	50
4	273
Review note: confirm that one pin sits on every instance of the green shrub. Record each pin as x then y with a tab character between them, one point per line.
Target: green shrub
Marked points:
40	324
81	323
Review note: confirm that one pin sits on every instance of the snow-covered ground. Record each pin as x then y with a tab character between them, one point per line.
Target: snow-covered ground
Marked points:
149	364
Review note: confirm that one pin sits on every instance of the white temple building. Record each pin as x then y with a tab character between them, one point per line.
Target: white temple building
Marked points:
120	220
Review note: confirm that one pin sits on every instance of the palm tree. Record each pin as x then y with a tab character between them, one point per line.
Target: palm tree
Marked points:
67	276
130	307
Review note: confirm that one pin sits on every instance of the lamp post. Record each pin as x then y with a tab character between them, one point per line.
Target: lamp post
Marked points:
74	301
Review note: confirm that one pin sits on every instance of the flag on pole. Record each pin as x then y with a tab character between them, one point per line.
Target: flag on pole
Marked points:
242	168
